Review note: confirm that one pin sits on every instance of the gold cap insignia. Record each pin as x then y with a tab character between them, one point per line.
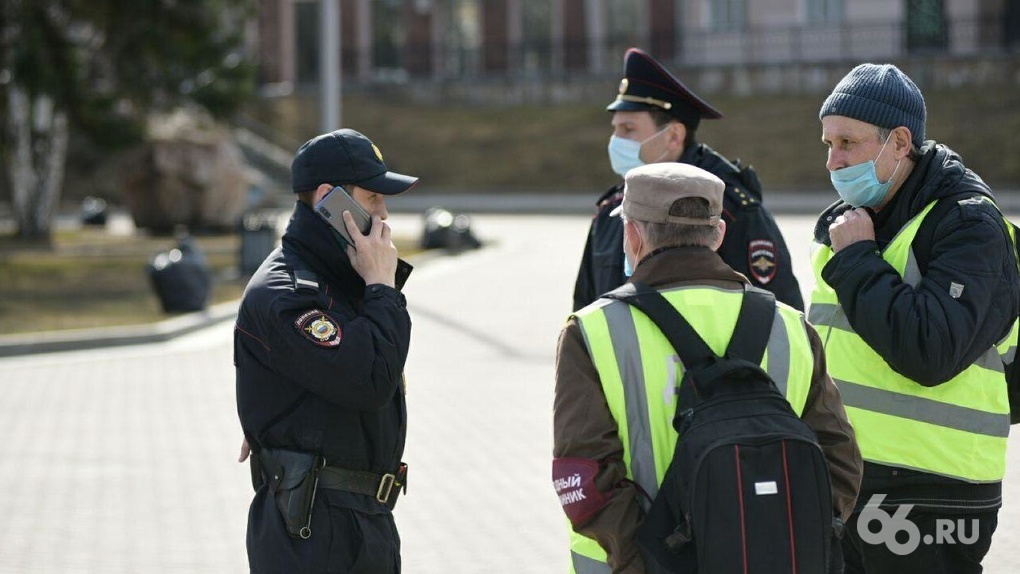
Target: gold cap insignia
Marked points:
623	85
378	153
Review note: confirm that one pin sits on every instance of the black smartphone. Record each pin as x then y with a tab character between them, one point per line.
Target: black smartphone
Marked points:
332	207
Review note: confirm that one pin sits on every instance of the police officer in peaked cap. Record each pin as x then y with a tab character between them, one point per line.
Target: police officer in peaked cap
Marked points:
655	119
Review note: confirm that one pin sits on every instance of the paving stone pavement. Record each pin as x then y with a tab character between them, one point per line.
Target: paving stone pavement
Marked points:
122	459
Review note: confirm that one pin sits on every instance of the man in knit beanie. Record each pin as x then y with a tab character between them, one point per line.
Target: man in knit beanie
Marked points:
916	296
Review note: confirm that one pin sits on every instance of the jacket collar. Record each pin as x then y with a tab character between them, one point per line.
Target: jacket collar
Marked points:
685	264
317	245
938	173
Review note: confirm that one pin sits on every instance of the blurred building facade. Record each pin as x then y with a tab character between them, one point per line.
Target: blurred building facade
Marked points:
421	42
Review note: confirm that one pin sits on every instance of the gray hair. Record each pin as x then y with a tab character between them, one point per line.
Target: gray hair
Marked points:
883	135
673	234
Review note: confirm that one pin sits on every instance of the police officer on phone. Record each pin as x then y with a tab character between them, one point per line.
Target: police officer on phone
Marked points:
320	343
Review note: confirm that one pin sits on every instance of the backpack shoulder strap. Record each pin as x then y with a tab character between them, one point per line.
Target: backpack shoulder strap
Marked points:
754	325
750	334
689	346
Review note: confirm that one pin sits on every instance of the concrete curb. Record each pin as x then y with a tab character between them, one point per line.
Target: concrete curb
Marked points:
84	339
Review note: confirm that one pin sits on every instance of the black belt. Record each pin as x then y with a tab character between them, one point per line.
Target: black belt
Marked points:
384	487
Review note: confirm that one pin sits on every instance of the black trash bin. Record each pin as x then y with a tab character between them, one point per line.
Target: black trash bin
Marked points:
93	211
444	230
258	239
182	277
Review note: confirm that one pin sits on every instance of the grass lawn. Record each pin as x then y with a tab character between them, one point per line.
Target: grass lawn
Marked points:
562	148
92	278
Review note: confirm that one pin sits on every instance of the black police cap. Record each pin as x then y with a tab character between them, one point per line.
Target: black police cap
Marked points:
341	157
647	85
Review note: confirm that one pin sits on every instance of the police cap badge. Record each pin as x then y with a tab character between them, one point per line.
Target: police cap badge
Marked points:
648	85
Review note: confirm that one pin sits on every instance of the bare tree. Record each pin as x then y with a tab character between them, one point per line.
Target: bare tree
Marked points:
101	66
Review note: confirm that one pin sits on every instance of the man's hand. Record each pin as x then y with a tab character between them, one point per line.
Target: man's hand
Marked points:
850	227
245	450
374	256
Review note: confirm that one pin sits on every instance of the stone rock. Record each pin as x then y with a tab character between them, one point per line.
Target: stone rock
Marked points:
188	172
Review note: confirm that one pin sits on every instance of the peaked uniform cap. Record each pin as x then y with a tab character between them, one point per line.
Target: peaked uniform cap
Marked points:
647	85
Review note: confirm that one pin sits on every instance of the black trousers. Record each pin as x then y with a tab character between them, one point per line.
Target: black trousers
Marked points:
344	540
945	543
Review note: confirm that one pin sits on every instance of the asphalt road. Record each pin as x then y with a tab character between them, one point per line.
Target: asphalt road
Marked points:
122	459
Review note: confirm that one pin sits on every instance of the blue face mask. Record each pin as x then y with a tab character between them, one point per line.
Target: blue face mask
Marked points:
625	154
627	269
858	185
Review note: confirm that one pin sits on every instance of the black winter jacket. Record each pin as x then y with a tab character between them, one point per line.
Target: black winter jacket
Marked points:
924	333
320	367
753	244
320	359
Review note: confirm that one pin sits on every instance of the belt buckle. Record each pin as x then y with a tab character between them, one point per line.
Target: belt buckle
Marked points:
382	494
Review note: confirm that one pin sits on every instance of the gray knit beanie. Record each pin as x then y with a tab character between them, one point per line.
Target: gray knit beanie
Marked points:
881	95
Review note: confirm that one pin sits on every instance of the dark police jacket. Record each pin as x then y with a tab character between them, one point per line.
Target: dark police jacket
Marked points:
753	244
320	356
923	333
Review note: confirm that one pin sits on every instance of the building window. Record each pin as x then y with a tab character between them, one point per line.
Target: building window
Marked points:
536	37
623	19
1011	25
463	38
824	11
926	26
389	35
727	15
307	16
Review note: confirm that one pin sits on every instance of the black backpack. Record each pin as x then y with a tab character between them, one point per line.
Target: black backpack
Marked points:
748	488
922	245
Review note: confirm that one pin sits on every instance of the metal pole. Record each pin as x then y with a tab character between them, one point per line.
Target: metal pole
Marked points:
329	64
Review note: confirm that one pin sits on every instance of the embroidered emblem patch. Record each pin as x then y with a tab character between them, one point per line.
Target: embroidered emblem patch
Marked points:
762	260
318	328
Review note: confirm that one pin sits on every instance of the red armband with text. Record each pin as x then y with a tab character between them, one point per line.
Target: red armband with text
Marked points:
574	479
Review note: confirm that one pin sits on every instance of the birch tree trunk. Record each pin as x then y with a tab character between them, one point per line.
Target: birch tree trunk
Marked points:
38	136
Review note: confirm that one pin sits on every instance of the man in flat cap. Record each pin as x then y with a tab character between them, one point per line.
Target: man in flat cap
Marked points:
655	119
917	299
320	343
673	224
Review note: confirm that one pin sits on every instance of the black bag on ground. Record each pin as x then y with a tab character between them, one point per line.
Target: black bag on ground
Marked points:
748	487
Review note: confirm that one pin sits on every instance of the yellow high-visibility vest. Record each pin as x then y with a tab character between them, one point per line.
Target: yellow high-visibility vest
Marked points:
957	429
640	371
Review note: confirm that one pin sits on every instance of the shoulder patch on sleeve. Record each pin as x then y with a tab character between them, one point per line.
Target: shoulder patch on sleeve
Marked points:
319	328
762	260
